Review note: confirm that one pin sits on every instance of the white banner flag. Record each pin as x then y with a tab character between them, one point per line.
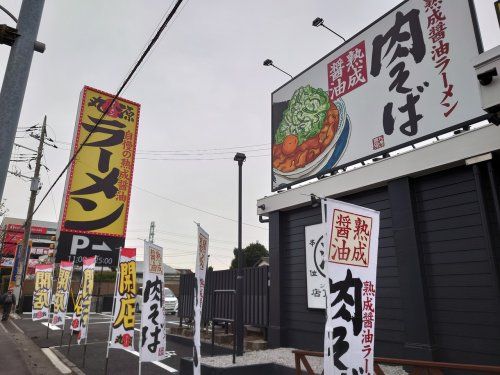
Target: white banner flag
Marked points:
315	266
43	291
153	333
199	291
80	322
122	334
352	248
61	296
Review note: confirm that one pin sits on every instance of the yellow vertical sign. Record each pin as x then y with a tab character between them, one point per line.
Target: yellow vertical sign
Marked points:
98	190
123	323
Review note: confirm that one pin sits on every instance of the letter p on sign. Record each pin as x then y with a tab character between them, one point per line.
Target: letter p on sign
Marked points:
79	242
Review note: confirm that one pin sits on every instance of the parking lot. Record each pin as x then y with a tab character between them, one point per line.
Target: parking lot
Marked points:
120	361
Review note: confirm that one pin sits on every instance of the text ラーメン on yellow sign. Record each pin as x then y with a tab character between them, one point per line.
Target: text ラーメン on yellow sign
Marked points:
99	186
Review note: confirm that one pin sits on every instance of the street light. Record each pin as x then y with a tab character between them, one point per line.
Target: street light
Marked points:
321	22
269	62
240	158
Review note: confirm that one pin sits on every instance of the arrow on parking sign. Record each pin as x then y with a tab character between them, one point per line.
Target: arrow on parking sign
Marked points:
103	247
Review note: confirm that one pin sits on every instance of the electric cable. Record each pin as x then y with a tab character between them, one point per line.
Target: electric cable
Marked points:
196	208
129	77
200	159
247	148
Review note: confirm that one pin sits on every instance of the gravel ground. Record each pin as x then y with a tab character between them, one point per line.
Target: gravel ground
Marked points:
281	356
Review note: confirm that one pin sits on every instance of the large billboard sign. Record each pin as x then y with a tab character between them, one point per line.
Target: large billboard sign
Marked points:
99	182
405	78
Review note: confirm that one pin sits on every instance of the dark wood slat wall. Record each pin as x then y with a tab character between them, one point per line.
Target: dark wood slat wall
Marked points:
463	308
492	170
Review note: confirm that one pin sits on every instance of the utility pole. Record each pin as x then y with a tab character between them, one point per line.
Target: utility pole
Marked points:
152	232
23	42
35	186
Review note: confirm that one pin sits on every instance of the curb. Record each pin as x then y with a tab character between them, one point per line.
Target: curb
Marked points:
66	361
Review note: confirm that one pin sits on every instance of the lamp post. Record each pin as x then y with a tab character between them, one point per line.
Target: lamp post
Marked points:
321	22
240	158
269	62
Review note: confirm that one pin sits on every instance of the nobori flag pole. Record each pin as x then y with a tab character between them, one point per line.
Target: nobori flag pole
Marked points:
140	338
74	302
112	317
67	300
88	322
50	298
35	184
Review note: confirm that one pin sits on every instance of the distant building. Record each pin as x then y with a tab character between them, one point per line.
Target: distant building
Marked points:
171	276
183	271
12	232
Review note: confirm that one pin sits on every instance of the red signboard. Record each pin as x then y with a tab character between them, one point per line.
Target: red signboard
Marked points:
20	228
14	234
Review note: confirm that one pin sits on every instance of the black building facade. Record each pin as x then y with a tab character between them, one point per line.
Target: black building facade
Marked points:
438	278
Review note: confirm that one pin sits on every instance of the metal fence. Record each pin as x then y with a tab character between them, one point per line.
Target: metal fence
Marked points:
255	295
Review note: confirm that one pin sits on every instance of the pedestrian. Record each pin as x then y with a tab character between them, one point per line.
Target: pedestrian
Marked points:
8	299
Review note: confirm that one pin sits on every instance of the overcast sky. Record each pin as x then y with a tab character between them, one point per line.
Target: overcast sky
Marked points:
204	94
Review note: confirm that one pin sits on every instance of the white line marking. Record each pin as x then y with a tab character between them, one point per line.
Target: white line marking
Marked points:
5	329
75	344
16	327
63	369
109	316
157	363
51	326
29	313
105	322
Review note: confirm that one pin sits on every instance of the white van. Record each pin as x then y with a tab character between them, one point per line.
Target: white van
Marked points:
170	301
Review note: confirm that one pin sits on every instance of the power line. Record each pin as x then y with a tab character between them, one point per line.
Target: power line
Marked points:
181	235
52	193
193	244
155	30
129	77
247	148
184	153
185	252
196	208
202	159
167	28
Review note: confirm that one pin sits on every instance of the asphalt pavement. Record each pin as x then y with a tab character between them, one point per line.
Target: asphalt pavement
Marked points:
11	358
120	361
21	356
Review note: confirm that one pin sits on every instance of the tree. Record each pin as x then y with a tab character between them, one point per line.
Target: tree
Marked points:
251	255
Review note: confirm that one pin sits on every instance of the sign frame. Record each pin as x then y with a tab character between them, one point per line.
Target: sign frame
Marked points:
477	36
95	242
